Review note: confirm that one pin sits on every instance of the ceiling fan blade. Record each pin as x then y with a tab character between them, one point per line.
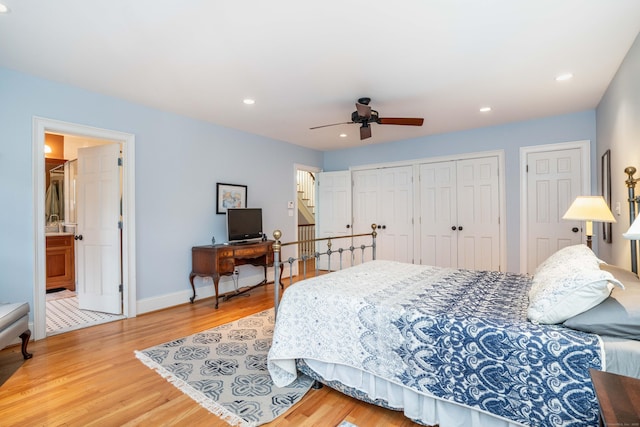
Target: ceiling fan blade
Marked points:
333	124
365	132
400	121
363	110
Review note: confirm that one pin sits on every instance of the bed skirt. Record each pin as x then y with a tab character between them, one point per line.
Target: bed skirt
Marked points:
421	408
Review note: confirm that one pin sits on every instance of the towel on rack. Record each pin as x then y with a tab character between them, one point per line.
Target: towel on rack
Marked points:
54	200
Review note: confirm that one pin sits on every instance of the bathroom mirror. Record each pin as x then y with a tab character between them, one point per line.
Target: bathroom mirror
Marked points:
60	177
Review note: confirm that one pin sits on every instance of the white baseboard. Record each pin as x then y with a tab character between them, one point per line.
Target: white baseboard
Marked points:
204	289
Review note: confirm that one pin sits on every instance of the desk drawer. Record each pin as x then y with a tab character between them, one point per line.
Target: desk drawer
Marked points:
250	252
225	253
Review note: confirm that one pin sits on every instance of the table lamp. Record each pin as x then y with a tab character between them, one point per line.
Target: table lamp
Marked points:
589	209
633	233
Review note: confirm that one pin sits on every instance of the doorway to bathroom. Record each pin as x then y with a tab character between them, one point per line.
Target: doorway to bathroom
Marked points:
77	178
96	165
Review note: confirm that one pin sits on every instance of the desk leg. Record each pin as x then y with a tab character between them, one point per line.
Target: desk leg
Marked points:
216	280
191	276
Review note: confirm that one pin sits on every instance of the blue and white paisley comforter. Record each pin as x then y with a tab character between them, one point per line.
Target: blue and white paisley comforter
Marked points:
457	335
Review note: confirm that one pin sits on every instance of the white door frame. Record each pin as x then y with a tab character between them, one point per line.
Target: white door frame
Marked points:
40	126
296	168
585	158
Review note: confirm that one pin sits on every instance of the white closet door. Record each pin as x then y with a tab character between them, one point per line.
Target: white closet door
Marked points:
395	214
553	182
366	198
334	213
385	197
460	214
478	214
438	206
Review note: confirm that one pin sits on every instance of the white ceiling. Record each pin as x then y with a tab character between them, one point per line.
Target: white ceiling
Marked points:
306	63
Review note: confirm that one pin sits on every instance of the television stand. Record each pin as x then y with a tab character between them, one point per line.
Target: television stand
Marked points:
222	260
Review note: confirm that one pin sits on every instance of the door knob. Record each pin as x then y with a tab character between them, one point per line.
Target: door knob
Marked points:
379	227
575	229
460	228
78	237
348	226
453	227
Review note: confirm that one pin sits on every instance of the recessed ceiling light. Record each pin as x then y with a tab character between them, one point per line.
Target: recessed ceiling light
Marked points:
249	101
485	109
3	8
343	135
564	77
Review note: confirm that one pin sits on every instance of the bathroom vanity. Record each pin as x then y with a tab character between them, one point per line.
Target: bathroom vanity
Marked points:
60	261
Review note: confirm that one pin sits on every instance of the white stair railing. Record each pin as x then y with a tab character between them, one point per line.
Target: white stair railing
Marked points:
307	188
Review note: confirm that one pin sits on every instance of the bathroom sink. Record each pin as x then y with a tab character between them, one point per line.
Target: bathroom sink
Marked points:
52	228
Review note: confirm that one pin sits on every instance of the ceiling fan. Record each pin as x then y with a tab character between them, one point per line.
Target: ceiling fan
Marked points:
365	115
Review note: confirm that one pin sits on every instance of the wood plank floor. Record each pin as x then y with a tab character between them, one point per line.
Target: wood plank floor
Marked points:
90	377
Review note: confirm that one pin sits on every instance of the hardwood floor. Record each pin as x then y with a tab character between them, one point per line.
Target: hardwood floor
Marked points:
90	377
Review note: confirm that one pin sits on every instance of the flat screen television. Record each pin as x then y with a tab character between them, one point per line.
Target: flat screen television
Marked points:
244	224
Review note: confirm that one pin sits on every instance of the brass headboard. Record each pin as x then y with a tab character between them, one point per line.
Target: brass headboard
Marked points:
634	201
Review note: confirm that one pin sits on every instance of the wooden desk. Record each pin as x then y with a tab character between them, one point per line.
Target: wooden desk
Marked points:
222	260
618	398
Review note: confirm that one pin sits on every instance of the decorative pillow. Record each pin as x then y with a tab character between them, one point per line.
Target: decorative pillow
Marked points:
619	314
567	284
569	253
570	258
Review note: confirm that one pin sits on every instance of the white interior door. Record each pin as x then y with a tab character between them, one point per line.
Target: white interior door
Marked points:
460	213
553	181
395	214
478	214
366	198
98	250
438	219
385	197
334	214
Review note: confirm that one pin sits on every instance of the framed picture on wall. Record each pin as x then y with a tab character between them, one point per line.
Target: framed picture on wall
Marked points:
230	196
606	192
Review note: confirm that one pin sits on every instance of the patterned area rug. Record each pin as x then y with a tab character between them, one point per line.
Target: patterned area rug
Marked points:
224	369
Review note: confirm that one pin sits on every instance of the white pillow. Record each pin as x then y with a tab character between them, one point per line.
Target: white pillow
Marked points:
570	257
568	283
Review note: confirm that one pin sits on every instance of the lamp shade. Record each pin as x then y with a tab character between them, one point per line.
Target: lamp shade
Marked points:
589	208
633	233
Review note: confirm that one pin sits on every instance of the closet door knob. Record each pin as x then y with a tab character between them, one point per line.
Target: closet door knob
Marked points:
453	227
384	227
78	237
574	229
460	228
348	226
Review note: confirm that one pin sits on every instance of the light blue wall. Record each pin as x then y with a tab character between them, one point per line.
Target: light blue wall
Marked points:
618	124
509	137
178	162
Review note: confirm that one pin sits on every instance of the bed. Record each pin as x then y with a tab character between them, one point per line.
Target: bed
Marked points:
460	347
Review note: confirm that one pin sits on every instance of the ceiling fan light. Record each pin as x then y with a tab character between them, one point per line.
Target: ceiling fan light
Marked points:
485	109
